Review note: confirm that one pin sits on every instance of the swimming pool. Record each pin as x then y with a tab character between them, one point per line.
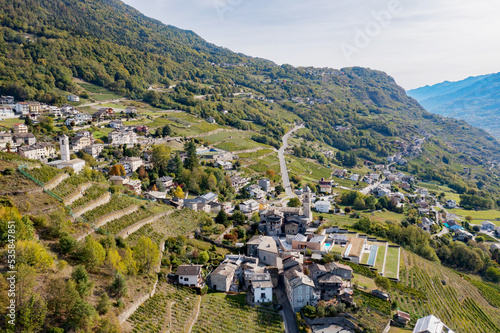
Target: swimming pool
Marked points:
373	255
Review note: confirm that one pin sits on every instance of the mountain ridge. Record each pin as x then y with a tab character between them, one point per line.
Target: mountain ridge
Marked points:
474	99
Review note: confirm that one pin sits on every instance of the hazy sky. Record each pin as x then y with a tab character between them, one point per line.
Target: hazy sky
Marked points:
418	42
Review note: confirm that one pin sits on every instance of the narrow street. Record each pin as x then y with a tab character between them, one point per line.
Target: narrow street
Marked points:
287	313
284	170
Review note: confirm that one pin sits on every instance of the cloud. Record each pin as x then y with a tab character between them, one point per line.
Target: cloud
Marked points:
426	42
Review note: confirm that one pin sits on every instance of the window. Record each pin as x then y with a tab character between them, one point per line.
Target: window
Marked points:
300	298
263	295
186	279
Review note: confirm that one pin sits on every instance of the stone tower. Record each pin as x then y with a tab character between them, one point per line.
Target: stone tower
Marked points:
307	202
64	144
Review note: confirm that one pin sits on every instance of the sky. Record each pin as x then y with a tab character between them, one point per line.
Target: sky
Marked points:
418	42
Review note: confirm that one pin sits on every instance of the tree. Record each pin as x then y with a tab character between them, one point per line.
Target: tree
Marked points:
146	254
104	304
175	165
32	314
117	170
33	254
178	193
114	261
279	189
83	283
119	285
166	131
92	253
203	257
270	174
61	297
191	160
294	202
359	203
81	316
238	217
160	156
67	244
383	282
221	217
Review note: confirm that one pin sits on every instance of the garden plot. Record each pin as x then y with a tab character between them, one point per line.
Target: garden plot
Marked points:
223	313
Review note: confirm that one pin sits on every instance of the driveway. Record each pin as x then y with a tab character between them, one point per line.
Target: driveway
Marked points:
287	313
284	170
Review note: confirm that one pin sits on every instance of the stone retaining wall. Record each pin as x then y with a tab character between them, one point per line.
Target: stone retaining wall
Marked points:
69	199
103	199
108	218
122	317
136	226
56	181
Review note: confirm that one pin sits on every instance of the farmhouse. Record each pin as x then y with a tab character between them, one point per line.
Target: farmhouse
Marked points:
223	276
190	275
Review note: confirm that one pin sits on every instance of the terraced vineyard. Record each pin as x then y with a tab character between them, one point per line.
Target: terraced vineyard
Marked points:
171	308
92	193
118	225
116	203
44	173
69	185
454	300
230	314
182	222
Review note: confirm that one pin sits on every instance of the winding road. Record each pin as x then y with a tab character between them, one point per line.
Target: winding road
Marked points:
284	170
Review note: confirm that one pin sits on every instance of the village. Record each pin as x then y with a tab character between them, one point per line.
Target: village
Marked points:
296	258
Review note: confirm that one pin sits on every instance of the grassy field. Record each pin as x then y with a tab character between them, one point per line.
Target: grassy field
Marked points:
490	215
391	269
379	262
8	123
230	314
456	301
308	170
240	144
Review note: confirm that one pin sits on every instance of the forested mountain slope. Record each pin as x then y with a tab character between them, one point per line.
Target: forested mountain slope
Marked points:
475	100
45	44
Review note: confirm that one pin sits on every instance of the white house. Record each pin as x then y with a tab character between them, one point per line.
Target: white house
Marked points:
487	225
226	165
131	163
265	184
354	177
73	98
451	203
431	324
261	287
6	112
249	206
116	124
384	192
323	206
190	275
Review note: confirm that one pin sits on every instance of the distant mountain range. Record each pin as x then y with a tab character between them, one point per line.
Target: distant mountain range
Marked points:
475	100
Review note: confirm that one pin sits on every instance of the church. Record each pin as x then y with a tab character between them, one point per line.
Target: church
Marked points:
288	220
76	164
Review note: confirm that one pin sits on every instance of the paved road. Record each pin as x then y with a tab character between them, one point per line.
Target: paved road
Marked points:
287	312
367	190
284	170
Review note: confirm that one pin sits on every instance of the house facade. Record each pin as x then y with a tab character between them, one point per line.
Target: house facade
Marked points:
190	275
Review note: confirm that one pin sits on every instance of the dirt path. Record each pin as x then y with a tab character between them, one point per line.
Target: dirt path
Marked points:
168	316
196	316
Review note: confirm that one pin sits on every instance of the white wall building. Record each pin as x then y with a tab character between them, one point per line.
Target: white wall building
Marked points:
323	206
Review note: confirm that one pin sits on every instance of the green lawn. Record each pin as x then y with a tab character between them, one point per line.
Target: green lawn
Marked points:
392	263
379	262
10	122
490	215
237	144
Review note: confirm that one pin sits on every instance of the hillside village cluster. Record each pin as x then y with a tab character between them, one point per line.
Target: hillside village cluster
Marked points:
291	242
